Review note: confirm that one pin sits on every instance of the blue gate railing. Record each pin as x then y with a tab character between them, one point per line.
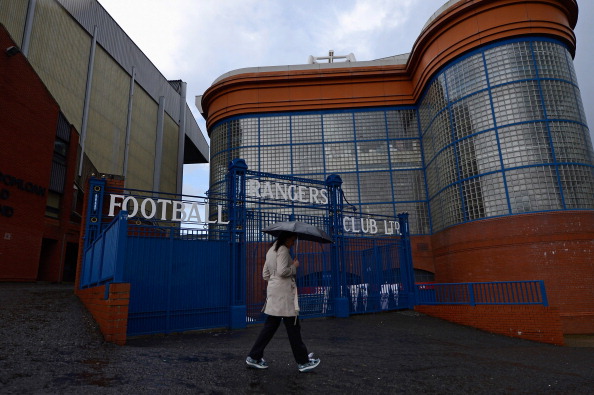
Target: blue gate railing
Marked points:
500	292
103	259
179	283
182	280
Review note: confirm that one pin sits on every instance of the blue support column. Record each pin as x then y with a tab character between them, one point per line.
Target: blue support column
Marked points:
118	275
335	206
236	195
407	273
94	210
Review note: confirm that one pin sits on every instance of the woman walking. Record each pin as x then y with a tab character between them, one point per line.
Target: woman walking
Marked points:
281	305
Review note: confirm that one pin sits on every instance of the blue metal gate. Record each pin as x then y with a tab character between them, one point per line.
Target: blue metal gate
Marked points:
179	276
206	273
356	274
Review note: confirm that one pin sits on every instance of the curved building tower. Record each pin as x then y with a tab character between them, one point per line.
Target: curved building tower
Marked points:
479	134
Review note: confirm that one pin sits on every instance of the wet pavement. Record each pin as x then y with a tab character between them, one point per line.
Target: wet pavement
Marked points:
50	345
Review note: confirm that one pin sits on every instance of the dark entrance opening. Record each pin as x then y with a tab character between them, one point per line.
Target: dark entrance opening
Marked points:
70	258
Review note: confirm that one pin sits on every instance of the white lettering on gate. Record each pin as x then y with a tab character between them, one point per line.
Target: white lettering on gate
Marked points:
164	204
280	191
148	209
153	208
194	213
369	225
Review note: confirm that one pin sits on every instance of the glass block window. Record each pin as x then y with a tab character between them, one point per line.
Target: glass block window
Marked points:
560	100
517	102
533	189
494	198
350	188
466	77
511	62
402	124
375	187
578	186
467	159
474	201
551	59
248	127
373	155
275	159
408	185
370	125
472	114
306	128
308	158
340	157
572	143
525	144
275	130
500	131
438	136
405	154
338	127
433	102
418	217
485	151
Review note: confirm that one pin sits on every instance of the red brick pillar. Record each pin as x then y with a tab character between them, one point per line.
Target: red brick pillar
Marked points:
108	304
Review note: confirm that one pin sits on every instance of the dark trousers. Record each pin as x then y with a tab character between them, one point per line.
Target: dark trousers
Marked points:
293	330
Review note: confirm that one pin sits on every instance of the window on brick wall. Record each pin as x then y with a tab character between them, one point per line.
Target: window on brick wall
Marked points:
58	174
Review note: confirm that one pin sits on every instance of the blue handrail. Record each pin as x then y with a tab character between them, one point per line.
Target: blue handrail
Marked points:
482	293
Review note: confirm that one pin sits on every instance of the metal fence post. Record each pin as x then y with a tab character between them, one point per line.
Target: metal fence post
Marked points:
408	274
118	275
471	294
236	195
335	205
543	293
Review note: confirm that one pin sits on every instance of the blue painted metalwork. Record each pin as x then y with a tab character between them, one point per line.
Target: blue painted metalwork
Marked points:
501	292
177	283
94	213
184	279
103	258
236	184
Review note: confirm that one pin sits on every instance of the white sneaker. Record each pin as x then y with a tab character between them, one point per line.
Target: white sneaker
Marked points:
306	367
261	364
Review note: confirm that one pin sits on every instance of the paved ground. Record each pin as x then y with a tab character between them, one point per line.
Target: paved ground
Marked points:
50	345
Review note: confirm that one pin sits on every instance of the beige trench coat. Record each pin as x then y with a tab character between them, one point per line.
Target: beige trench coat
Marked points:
281	293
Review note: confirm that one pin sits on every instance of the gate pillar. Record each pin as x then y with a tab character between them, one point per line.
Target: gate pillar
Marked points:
94	214
236	195
406	266
335	205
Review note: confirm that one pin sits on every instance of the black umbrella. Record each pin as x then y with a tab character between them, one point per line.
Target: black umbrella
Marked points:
303	231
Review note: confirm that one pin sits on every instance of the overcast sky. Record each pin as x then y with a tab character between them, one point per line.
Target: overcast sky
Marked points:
199	40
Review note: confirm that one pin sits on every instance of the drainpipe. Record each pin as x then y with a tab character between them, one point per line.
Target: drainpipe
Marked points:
129	124
181	138
28	28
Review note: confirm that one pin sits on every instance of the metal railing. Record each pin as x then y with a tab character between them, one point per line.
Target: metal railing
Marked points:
103	258
500	292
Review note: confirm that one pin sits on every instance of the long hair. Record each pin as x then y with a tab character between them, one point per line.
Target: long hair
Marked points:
282	239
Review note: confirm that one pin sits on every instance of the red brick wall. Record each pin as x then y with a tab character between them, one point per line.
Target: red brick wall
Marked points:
28	119
557	247
531	322
63	230
111	312
422	254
